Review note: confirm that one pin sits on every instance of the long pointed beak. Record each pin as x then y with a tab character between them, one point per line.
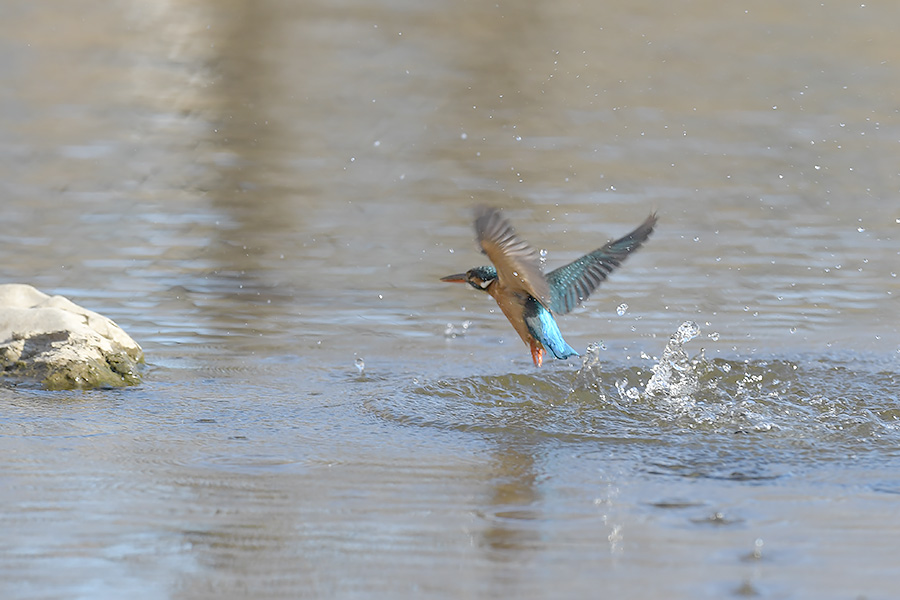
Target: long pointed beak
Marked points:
458	278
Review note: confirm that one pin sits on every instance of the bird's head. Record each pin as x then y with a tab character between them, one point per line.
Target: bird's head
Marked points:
479	278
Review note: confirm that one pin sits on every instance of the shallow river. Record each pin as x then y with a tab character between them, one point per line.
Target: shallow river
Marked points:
265	195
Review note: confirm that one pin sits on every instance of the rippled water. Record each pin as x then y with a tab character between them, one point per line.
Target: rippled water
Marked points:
265	196
787	414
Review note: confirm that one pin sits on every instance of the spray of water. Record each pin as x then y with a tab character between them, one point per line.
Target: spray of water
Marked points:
589	376
674	376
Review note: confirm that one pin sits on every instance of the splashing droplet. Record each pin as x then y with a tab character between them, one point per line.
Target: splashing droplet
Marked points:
621	309
592	352
361	366
674	376
452	331
757	548
589	375
714	336
686	332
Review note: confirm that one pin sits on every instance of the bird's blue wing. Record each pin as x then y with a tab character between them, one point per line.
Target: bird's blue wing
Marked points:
571	284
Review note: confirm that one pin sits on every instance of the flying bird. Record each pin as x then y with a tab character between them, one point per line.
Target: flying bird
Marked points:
525	294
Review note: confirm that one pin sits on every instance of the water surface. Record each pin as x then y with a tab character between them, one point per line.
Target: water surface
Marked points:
263	194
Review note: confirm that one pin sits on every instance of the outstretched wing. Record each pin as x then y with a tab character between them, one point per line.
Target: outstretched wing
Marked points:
518	264
571	284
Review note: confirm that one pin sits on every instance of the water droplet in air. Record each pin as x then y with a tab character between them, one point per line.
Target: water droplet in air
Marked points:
686	332
361	365
452	332
594	348
714	336
622	309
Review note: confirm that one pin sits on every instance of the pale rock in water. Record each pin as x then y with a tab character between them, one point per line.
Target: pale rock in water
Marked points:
53	341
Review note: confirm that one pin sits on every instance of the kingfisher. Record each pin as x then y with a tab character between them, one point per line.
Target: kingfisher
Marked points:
525	294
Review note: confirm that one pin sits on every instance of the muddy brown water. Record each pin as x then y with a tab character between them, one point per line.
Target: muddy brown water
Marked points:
265	194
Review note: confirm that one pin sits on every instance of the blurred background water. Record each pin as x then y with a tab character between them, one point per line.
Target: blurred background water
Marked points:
265	194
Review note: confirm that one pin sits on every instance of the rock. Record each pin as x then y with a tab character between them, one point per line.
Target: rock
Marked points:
55	342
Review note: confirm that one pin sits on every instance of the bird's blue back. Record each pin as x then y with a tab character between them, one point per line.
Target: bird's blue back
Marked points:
544	329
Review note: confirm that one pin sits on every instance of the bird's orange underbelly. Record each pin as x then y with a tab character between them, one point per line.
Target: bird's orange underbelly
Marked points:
513	306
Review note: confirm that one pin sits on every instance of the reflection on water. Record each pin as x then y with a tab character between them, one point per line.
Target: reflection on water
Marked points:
513	515
264	195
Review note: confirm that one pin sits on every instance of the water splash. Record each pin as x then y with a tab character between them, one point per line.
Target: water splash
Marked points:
621	309
361	366
695	404
627	393
674	375
589	376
